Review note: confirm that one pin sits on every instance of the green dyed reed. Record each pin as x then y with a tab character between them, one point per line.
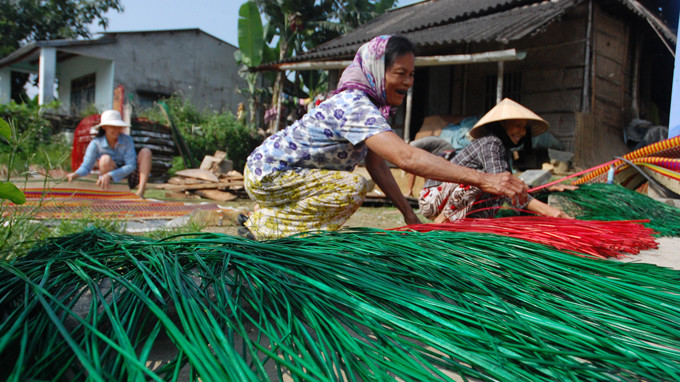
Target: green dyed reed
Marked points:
350	305
601	201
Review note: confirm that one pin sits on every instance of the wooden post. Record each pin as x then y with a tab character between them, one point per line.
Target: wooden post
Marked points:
499	83
407	116
585	101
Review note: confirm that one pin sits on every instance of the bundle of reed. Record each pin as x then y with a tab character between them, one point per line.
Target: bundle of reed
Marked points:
601	201
350	305
600	239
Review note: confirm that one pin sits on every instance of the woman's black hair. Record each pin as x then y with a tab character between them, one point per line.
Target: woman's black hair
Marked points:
101	132
497	129
398	46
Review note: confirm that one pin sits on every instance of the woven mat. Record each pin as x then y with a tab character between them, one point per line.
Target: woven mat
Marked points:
83	199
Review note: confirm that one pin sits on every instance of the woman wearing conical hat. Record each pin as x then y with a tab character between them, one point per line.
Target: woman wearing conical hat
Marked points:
505	126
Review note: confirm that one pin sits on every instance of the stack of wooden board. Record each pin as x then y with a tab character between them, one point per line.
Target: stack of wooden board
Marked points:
215	179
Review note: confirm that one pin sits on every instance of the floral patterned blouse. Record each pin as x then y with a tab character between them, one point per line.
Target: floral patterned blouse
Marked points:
330	136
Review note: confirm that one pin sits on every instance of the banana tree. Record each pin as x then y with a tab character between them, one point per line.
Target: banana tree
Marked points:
251	46
290	21
302	24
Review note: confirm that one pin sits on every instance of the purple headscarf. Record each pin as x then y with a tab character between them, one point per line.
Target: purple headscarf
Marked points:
367	73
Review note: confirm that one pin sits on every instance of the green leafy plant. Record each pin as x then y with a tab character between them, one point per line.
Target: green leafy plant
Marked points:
33	142
7	189
206	132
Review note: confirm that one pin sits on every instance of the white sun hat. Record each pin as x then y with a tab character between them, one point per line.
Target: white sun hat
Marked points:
509	109
111	118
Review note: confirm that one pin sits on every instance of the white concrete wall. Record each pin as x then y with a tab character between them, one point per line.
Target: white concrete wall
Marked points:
80	66
5	85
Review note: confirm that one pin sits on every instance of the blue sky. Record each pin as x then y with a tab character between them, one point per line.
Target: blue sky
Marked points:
219	18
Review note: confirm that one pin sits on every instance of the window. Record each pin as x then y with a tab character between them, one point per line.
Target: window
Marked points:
512	88
82	92
147	98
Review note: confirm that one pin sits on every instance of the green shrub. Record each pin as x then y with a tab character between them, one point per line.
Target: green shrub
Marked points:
28	119
177	165
33	141
207	132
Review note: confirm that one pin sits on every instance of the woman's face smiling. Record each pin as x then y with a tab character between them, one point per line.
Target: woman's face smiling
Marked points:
399	78
112	132
515	128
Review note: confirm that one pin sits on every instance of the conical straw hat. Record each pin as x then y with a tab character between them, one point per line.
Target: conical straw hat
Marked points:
509	109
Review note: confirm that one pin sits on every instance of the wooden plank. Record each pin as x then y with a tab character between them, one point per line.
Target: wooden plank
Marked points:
595	142
220	196
552	101
220	155
182	180
201	186
552	79
198	174
181	195
608	24
613	48
611	92
562	124
570	54
610	69
208	162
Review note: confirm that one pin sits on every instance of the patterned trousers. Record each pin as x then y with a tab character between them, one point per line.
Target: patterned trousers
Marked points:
303	200
457	201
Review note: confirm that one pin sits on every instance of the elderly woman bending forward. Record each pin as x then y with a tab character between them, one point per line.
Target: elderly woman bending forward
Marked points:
302	176
507	125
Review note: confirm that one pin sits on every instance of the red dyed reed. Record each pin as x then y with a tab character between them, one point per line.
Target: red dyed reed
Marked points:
601	239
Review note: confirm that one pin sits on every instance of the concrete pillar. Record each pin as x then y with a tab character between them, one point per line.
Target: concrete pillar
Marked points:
5	85
47	75
103	96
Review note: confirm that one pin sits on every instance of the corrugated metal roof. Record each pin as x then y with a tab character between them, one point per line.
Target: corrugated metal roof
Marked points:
443	22
426	14
654	21
447	22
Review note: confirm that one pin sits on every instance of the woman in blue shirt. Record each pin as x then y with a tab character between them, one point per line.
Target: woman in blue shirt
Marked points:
114	153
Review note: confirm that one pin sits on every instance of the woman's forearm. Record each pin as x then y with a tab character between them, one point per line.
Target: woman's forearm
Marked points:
382	176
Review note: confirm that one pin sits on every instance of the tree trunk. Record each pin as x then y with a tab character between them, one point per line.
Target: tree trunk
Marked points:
278	88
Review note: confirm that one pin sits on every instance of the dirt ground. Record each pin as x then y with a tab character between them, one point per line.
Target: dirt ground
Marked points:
374	216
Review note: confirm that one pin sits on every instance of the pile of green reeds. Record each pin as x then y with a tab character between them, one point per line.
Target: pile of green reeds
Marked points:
601	201
350	305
